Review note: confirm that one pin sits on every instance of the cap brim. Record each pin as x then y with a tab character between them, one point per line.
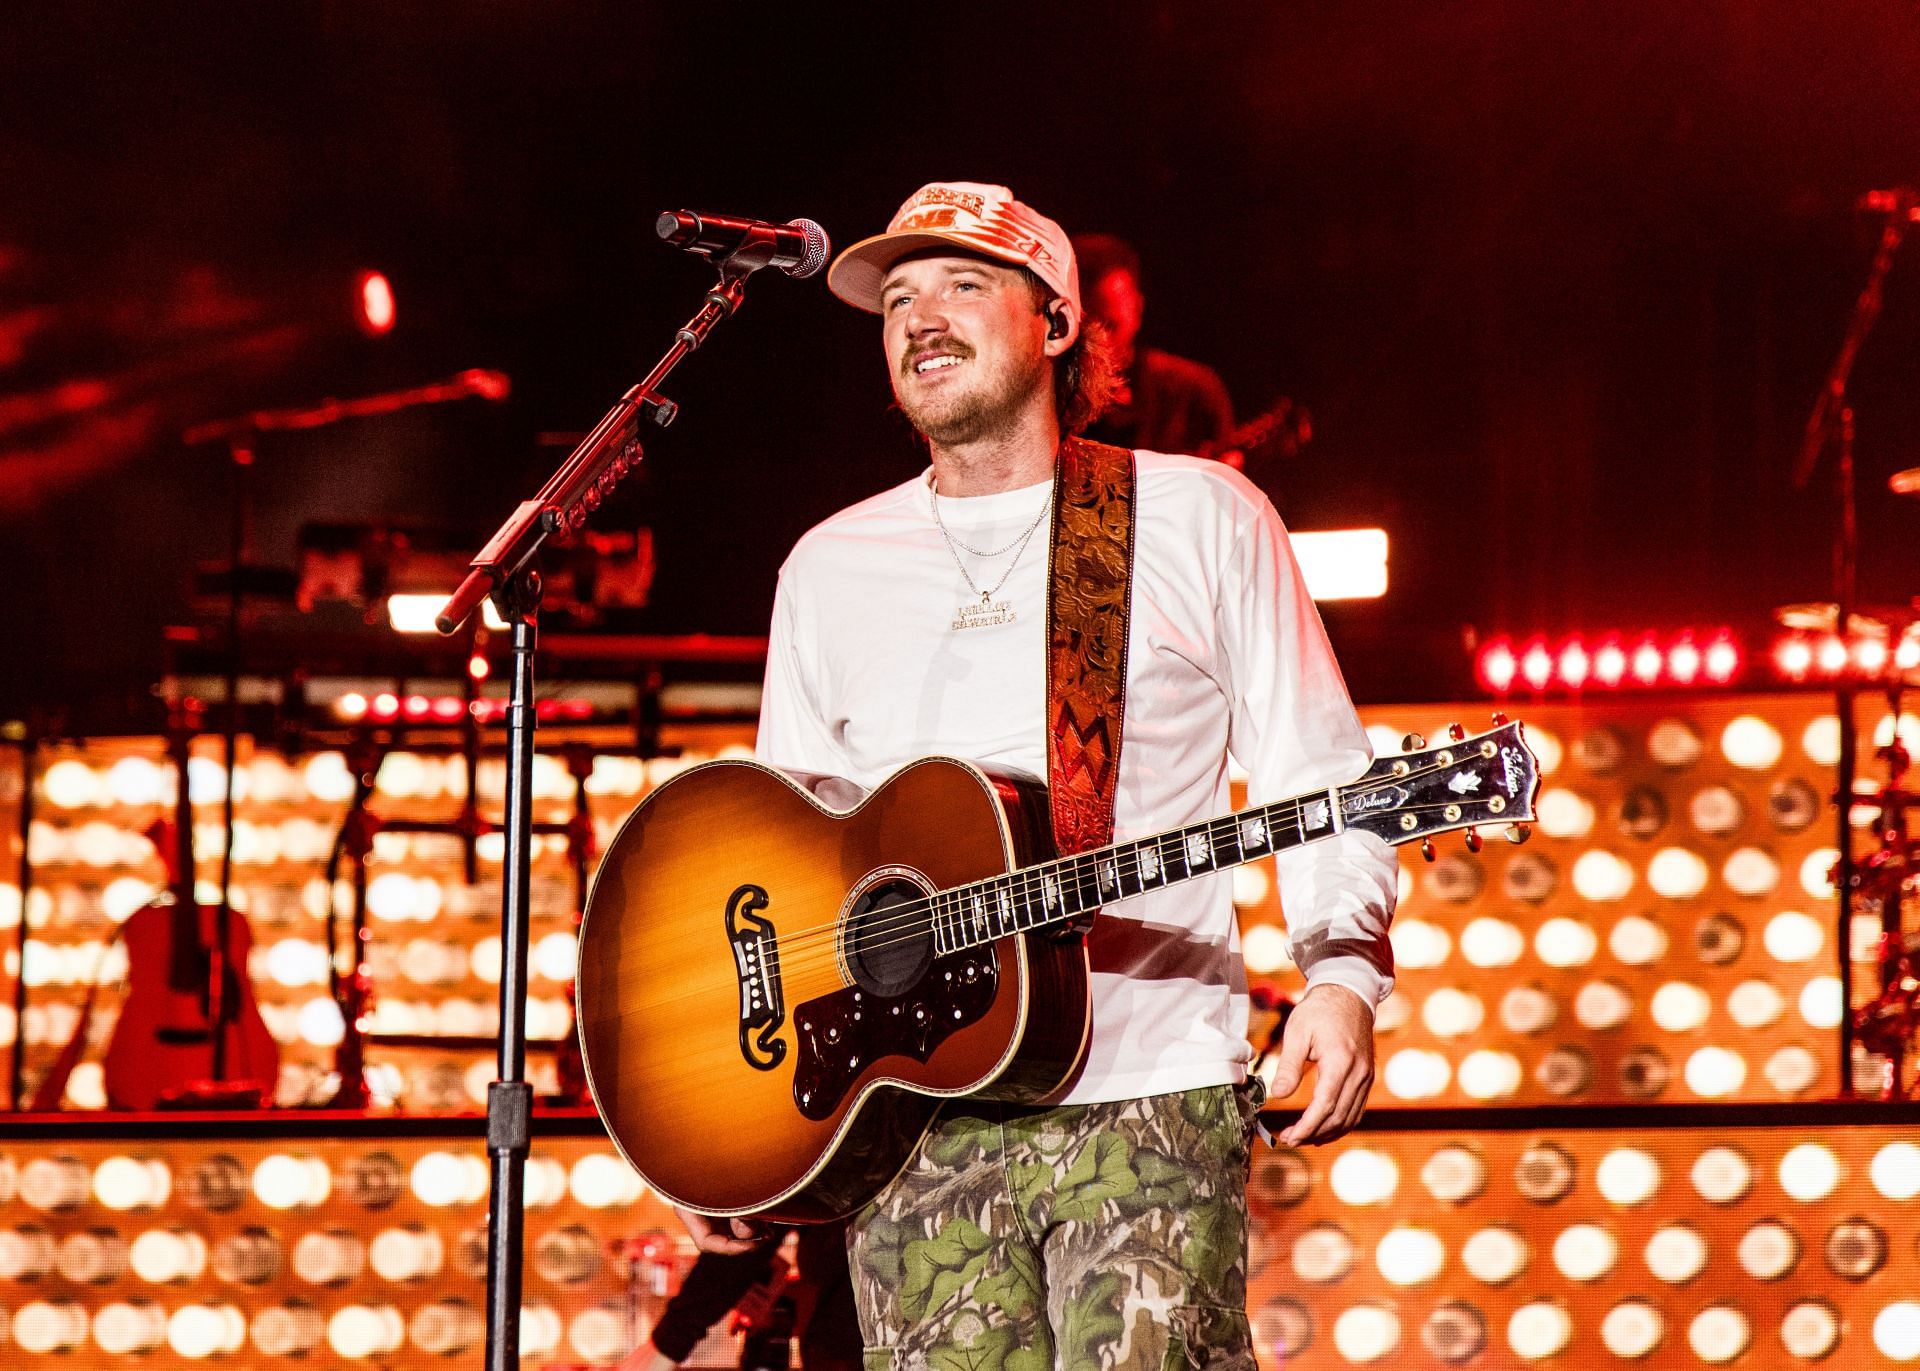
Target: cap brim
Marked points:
858	273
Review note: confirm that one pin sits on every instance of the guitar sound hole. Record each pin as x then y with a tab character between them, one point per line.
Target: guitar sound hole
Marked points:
888	950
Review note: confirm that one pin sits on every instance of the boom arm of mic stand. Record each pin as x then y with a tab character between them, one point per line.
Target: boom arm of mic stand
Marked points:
1833	391
596	467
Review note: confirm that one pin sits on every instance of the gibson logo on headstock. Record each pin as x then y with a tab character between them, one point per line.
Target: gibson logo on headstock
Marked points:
1514	767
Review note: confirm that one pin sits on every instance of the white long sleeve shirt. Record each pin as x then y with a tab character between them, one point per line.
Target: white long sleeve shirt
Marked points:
866	672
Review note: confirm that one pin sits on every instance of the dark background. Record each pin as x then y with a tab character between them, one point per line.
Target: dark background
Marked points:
1558	281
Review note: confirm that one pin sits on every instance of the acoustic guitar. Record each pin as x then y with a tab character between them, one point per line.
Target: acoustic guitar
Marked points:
164	1042
775	994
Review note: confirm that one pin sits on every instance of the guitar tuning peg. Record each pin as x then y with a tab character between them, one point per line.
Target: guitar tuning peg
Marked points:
1413	742
1519	833
1499	719
1456	732
1473	840
1426	848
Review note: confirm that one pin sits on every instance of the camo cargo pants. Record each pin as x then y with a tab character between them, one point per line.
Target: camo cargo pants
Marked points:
1103	1237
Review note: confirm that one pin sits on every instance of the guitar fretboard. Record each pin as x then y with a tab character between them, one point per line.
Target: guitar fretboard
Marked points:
970	915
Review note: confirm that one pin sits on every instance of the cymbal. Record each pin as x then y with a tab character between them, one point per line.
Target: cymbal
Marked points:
1872	621
1905	482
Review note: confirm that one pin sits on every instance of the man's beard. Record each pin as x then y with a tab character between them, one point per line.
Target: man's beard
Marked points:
950	421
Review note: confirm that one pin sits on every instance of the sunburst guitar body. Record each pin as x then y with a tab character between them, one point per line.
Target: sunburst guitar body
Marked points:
775	994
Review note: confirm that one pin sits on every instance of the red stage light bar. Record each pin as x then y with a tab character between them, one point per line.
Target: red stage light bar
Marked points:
1681	659
1864	658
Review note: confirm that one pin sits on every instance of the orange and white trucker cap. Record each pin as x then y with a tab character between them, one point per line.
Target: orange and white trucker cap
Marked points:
965	215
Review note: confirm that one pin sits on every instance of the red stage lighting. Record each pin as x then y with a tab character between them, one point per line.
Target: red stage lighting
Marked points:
1870	654
1610	663
375	306
1683	662
1646	662
352	706
1723	660
1794	657
1498	666
1536	666
1831	655
1574	664
386	705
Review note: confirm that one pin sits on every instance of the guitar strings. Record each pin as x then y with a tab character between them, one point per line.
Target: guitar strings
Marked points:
818	945
914	918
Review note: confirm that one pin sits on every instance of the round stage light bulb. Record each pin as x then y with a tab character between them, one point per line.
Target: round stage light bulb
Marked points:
555	955
1719	1333
1680	1006
410	1253
1715	1072
1810	1330
546	1182
1539	1330
1494	1256
1676	1254
197	1331
1457	879
71	784
1793	937
1564	813
1768	1250
1751	871
1565	942
1363	1176
1755	1004
1322	1254
1263	946
1816	872
1545	1173
1409	1256
1528	1009
1585	1252
1637	941
207	781
1548	750
1792	1070
600	1180
41	1326
1454	1174
1751	743
1489	943
1821	740
1677	873
1674	743
1601	876
1394	1015
282	1181
1632	1329
1627	1175
1417	944
122	1329
1486	1074
600	1334
124	1183
1820	1002
320	1022
1451	1013
1366	1332
1566	1070
439	1180
136	782
1602	1005
330	1257
1250	886
327	778
1909	730
1895	1171
539	1329
295	962
358	1331
161	1256
1896	1330
1856	1249
1809	1172
1416	1074
1716	810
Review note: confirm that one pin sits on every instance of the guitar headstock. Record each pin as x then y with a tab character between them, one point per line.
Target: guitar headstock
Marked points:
1490	778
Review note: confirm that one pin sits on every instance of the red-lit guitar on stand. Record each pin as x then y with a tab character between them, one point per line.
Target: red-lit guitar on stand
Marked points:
774	995
190	1026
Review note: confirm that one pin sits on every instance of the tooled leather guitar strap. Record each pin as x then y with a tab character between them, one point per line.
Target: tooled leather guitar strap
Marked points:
1089	596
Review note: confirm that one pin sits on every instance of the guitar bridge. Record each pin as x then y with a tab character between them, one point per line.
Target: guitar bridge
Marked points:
756	960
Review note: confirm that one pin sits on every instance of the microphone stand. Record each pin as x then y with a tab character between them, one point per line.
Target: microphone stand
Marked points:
1832	418
506	571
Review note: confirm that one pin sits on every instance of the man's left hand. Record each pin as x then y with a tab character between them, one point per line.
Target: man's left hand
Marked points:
1331	1027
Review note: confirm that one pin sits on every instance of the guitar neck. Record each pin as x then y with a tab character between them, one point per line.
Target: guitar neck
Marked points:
1067	887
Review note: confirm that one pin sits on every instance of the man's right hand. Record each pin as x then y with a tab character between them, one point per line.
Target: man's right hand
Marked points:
728	1237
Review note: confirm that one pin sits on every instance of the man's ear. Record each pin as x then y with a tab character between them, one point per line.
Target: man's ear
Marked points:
1062	327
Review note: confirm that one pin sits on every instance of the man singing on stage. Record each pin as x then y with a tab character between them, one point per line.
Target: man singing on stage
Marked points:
1106	1226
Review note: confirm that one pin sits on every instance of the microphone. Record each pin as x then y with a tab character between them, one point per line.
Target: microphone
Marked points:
798	248
1903	202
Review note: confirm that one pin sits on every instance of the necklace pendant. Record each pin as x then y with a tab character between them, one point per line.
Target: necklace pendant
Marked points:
988	613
